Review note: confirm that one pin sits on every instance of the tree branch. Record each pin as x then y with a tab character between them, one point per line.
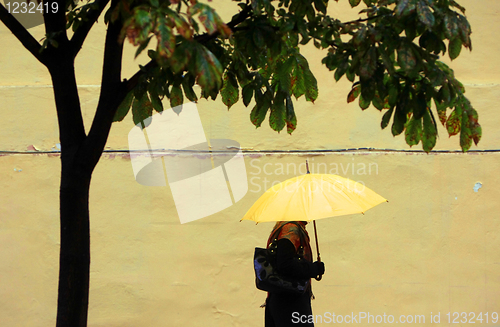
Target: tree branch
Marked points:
366	19
82	32
26	39
112	94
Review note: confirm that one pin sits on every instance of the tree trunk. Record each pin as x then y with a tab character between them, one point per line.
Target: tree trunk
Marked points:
74	261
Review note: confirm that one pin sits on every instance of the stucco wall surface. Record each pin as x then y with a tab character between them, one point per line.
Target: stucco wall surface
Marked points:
432	249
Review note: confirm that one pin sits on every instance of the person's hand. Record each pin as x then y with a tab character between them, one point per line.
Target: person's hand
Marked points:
319	268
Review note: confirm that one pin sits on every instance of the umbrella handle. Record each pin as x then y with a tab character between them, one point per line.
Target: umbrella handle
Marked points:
318	278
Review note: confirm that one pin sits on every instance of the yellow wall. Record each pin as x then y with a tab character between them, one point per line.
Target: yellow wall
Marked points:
432	248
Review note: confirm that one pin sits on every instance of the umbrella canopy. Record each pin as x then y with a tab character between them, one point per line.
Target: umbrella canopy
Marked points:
311	197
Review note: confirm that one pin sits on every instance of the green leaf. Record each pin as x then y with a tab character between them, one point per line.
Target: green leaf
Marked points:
369	64
363	104
424	14
260	110
399	122
166	39
393	95
182	26
310	82
155	100
430	132
378	102
298	81
247	93
354	3
278	113
368	88
311	85
456	5
291	119
444	95
181	57
283	72
142	46
207	16
350	74
208	70
258	38
450	25
124	107
341	69
176	96
388	63
142	109
406	57
454	48
320	6
419	105
229	91
187	86
413	131
210	19
401	6
386	118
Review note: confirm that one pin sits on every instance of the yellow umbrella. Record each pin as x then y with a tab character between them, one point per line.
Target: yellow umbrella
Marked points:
311	197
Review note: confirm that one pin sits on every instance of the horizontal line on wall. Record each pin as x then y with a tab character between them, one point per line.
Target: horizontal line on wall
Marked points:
98	86
45	86
302	152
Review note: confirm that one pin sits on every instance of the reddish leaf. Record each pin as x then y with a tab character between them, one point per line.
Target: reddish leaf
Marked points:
454	122
355	91
441	110
182	27
465	31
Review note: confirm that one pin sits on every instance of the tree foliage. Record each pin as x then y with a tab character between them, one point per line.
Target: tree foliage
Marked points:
391	55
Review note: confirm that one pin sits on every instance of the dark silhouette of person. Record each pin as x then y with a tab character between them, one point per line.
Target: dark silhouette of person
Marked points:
289	309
